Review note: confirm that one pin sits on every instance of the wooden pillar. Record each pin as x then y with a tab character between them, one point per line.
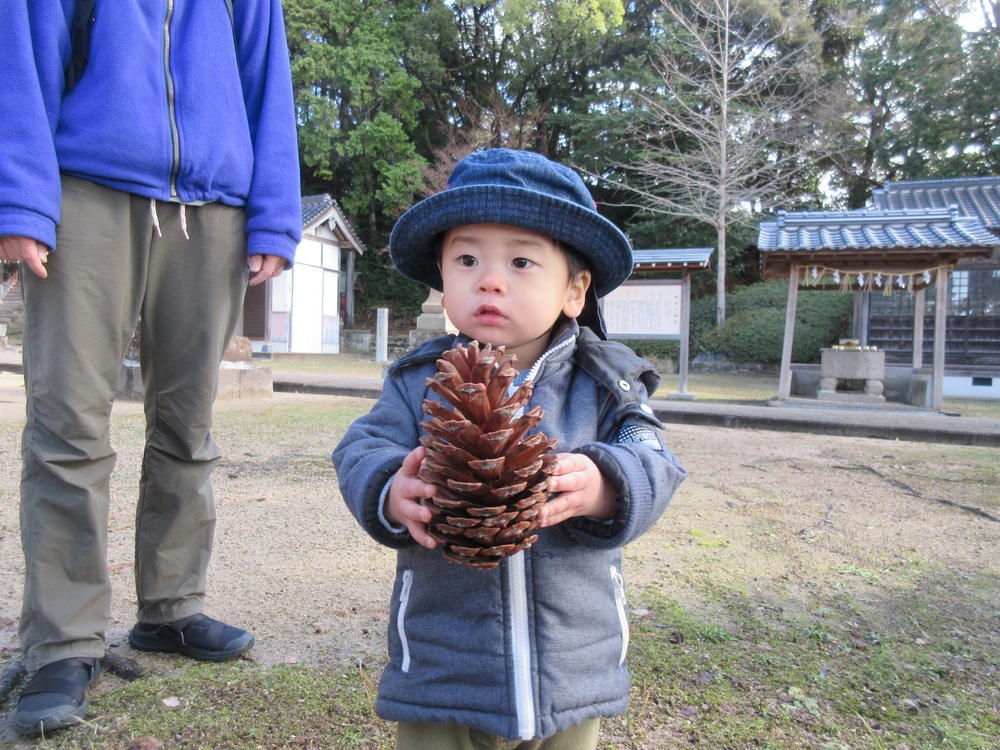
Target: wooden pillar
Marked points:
858	316
685	330
349	292
919	310
865	310
940	323
785	383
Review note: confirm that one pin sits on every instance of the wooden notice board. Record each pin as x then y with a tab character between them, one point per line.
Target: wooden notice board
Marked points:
645	310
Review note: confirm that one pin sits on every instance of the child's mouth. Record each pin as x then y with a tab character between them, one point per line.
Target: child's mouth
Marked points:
489	315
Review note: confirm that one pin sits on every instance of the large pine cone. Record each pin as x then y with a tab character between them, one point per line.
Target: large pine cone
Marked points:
491	481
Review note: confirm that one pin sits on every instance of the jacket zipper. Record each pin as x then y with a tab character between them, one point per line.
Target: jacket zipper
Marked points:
524	697
171	105
535	367
619	583
404	600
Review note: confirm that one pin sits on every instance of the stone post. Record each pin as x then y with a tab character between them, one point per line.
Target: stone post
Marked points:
382	334
432	321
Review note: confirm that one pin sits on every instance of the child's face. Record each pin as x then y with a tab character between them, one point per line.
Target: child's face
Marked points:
506	286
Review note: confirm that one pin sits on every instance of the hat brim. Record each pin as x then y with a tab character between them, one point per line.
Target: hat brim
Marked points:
411	244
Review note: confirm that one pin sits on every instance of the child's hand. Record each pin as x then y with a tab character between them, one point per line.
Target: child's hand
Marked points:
402	506
580	490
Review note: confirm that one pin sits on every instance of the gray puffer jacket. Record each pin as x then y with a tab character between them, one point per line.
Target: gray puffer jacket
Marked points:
538	644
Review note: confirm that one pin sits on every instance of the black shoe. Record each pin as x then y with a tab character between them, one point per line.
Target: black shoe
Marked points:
56	697
197	636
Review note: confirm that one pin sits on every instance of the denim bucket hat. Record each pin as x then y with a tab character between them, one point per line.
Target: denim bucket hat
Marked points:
521	189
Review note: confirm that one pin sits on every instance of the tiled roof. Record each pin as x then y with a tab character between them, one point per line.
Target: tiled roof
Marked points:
974	196
675	257
313	206
869	230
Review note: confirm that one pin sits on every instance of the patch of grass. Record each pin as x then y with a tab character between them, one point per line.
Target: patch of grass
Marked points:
704	539
740	387
347	365
236	705
783	681
972	407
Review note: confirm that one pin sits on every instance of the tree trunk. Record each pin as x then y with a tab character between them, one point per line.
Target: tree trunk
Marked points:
720	274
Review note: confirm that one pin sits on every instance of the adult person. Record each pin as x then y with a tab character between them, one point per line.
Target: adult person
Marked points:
148	171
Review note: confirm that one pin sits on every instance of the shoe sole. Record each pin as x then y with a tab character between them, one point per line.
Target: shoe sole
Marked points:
46	722
201	654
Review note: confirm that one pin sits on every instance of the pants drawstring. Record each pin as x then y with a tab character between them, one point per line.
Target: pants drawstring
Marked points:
156	219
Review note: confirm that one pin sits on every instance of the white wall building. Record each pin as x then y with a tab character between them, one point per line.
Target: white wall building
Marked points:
302	310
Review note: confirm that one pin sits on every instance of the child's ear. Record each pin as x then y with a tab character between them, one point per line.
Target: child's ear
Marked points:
576	294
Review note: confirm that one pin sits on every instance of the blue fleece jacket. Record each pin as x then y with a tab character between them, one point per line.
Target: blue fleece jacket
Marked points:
179	101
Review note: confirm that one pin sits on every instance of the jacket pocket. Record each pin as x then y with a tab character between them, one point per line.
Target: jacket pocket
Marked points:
619	584
404	598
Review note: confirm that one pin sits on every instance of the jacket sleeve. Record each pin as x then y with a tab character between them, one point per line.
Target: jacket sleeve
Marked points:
644	473
645	480
274	205
371	452
34	36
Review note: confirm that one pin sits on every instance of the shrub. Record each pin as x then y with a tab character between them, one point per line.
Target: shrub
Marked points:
755	326
662	354
703	317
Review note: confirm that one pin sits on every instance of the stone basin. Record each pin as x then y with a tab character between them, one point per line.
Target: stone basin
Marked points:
851	375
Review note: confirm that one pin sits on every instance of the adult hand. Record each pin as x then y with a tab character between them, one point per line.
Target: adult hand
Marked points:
264	267
402	506
579	489
30	252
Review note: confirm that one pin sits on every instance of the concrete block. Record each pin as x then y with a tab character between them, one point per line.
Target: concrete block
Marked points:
921	392
229	384
850	398
256	382
356	341
235	381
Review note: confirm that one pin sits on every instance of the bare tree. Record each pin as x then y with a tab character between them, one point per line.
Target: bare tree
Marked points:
490	125
734	117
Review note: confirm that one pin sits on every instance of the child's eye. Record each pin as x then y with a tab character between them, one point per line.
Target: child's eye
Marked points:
521	263
467	260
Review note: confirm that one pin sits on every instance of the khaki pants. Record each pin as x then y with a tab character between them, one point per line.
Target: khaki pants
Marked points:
111	267
456	737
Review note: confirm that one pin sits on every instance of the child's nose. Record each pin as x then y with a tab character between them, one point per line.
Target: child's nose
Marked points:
491	281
